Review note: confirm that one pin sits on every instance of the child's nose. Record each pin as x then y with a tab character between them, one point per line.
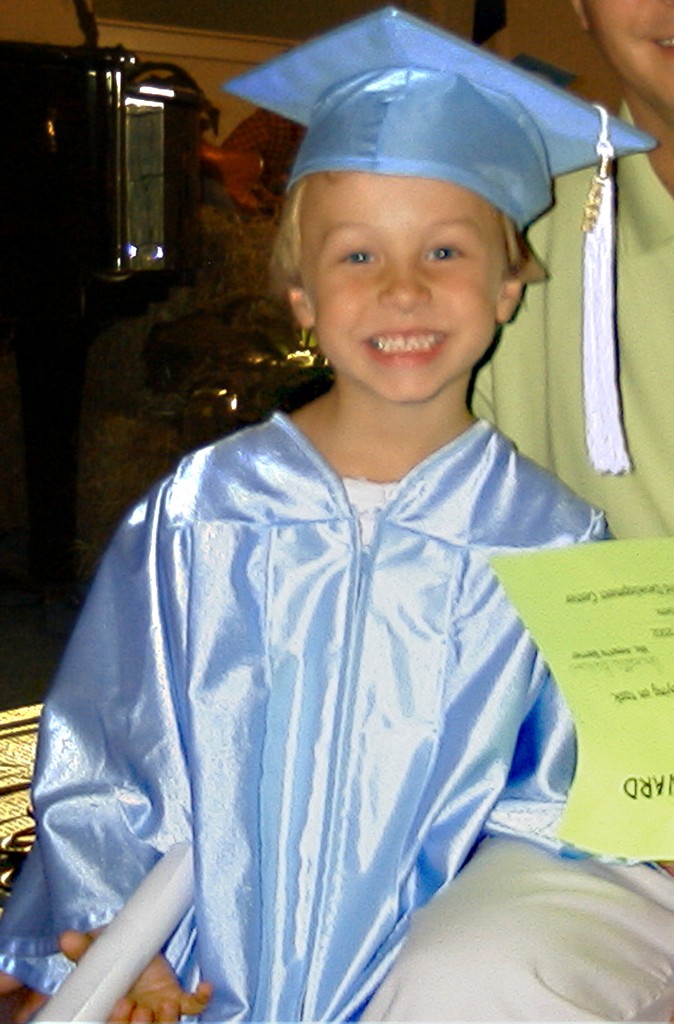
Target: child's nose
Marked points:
404	288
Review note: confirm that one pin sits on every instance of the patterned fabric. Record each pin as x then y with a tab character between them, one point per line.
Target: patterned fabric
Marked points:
276	140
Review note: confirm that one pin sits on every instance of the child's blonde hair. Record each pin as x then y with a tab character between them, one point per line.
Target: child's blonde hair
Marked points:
286	250
285	263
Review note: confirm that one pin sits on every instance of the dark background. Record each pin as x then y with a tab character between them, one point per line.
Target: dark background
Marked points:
252	17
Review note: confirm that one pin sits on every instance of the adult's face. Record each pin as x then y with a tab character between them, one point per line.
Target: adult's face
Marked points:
636	38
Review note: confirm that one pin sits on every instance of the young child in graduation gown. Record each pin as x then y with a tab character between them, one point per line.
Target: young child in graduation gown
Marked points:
295	654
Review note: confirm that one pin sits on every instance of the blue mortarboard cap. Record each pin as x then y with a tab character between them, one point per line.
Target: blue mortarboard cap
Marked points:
391	94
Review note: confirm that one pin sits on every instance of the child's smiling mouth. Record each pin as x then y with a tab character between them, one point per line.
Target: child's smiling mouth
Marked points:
406	342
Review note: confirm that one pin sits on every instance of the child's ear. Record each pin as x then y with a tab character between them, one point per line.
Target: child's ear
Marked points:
302	307
508	298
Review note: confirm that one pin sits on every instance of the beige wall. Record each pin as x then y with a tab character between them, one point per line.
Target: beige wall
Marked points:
547	29
40	21
209	57
543	28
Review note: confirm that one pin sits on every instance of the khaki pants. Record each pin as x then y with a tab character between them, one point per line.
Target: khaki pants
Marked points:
524	935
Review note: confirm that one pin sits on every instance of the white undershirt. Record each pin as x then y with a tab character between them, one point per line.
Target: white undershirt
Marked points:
367	500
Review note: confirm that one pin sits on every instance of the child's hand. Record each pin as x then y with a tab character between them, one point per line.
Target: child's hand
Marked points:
155	996
18	1003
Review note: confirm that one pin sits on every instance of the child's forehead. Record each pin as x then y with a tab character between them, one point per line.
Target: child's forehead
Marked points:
356	190
339	202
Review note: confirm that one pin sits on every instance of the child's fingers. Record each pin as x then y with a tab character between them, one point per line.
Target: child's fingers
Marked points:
122	1010
29	1006
169	1012
204	991
195	1002
75	944
8	983
144	1015
145	1004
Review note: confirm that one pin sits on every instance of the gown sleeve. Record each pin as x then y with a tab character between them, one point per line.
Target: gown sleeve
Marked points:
110	789
544	759
541	770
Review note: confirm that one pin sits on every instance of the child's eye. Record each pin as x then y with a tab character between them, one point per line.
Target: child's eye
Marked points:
359	257
443	252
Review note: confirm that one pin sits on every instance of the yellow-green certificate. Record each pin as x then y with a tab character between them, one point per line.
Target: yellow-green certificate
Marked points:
603	617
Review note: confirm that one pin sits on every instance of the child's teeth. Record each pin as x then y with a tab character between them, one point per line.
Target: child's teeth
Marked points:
404	343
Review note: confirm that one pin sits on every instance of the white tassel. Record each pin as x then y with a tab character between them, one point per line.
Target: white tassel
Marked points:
603	417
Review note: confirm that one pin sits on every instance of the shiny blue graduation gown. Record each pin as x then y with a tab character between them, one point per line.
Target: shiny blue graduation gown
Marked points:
333	727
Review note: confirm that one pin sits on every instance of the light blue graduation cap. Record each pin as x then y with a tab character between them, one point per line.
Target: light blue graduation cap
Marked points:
391	94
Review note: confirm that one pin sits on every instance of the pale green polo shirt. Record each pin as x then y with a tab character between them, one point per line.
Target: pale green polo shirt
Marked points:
532	387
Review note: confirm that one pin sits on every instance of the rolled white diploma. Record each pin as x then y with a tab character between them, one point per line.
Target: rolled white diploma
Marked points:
112	963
